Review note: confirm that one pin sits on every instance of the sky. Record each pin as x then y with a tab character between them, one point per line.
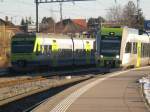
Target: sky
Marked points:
18	9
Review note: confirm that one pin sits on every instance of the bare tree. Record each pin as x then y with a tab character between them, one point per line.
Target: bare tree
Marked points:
129	14
47	25
114	14
126	16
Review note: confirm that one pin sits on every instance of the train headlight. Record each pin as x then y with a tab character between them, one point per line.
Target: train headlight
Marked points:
101	56
117	56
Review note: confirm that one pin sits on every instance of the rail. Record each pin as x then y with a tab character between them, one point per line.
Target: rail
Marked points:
22	86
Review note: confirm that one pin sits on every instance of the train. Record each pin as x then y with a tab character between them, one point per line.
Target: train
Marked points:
53	50
135	48
111	47
123	47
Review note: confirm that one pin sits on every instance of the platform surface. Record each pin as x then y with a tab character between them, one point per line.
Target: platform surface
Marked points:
112	93
116	94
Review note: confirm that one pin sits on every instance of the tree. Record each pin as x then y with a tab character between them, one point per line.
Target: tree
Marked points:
47	25
23	26
30	20
98	20
94	24
129	15
22	22
140	20
114	14
101	19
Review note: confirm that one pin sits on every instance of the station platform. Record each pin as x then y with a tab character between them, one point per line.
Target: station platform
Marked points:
114	92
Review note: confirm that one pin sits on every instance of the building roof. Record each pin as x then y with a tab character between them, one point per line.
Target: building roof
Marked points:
9	26
81	22
67	26
7	23
2	21
71	26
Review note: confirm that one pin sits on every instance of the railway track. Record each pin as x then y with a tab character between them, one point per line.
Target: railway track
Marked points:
37	95
20	81
8	72
34	77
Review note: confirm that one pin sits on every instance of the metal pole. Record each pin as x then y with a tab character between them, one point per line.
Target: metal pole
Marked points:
61	12
98	39
37	16
138	4
138	12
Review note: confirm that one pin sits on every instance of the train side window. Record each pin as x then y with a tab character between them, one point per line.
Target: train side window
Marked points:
134	48
128	48
145	50
142	51
42	49
37	48
148	50
45	49
50	49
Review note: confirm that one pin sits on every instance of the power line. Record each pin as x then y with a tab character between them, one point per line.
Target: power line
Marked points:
17	12
37	2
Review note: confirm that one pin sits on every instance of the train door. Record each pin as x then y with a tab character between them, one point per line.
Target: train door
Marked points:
138	54
88	52
54	52
79	52
127	54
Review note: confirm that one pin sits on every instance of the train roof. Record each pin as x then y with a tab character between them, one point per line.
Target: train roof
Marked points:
116	31
24	34
48	35
51	35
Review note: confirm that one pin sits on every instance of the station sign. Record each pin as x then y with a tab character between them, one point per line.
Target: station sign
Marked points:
147	24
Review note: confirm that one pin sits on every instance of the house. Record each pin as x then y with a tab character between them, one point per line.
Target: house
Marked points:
7	30
80	22
67	26
71	26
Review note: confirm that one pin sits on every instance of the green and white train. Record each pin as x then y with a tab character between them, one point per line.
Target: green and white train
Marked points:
115	47
123	47
28	50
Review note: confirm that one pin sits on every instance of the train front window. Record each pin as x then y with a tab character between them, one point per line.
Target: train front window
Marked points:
22	46
110	47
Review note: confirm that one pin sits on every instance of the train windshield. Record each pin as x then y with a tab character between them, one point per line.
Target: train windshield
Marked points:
22	46
110	47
